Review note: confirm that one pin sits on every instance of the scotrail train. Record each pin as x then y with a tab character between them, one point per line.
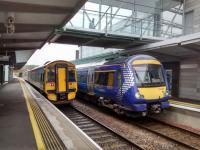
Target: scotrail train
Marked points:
135	85
57	80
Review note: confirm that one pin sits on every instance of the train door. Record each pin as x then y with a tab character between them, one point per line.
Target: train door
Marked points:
90	81
111	88
61	78
173	70
169	78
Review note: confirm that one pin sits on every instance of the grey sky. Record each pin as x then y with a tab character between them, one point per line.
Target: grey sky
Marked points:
50	52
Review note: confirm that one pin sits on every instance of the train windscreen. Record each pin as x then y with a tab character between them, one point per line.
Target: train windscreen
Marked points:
148	75
51	74
72	77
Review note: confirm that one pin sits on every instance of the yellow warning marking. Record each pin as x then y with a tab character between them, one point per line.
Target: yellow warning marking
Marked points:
185	104
36	130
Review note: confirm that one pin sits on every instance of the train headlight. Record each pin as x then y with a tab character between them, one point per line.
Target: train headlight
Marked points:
138	95
167	93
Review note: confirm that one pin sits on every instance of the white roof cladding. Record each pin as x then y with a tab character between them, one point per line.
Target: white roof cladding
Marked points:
23	56
149	6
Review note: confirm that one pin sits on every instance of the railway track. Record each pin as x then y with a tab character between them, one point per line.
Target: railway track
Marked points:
143	131
103	136
179	135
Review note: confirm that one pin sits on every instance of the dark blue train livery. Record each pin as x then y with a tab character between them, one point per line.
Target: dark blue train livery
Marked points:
131	85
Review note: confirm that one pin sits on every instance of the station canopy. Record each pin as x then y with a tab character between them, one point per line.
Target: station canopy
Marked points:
26	25
174	49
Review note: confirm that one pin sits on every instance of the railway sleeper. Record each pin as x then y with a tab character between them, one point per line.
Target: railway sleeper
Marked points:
99	135
111	144
75	116
86	126
81	120
76	119
84	123
94	131
120	146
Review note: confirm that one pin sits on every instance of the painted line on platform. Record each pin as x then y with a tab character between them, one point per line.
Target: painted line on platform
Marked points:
36	130
183	105
186	108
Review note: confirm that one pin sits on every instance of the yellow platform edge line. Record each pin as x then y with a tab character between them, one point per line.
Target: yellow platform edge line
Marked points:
38	137
184	104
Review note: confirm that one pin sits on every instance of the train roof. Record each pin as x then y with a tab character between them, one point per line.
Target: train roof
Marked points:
117	61
123	60
50	62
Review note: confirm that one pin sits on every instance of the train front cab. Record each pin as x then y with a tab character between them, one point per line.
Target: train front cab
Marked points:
61	83
151	90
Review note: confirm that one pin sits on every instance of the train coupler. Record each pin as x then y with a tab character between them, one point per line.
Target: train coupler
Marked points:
155	108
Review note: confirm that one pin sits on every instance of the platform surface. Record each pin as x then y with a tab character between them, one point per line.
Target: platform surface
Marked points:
15	126
190	101
192	105
29	121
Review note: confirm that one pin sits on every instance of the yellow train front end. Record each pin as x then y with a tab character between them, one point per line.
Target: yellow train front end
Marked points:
152	85
60	84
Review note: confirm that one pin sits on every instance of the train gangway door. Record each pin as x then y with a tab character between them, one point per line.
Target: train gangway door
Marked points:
62	80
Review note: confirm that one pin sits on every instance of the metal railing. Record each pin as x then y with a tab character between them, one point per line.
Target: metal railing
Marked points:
124	25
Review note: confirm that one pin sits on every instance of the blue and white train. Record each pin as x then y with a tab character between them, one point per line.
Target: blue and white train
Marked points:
133	85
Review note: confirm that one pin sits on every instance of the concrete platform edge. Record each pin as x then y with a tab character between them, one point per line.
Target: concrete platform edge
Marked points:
180	117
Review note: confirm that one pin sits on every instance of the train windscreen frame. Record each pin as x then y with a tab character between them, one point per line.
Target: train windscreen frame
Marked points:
148	75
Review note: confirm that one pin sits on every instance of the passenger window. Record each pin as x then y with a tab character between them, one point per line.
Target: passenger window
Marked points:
110	78
104	78
101	78
51	75
96	78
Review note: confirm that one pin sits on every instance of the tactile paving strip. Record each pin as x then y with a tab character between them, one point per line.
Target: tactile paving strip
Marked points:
50	137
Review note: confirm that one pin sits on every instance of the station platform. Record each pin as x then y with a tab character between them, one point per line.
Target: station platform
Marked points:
188	104
15	127
183	113
29	121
